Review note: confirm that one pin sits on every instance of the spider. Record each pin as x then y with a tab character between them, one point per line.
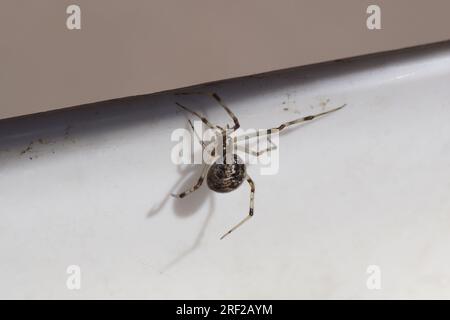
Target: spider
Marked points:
226	172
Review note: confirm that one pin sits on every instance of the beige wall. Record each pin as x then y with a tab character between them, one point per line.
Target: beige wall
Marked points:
136	47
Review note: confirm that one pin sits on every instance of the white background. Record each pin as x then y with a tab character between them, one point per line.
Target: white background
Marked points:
367	185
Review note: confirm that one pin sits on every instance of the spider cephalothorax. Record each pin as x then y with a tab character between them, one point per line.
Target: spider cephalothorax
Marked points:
227	172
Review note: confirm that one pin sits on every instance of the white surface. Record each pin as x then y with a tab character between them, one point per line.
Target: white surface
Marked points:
368	185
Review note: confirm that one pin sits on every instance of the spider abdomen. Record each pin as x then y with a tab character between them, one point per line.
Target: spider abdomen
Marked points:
226	177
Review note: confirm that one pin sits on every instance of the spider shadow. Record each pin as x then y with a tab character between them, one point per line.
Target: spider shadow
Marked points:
188	206
186	252
189	175
183	208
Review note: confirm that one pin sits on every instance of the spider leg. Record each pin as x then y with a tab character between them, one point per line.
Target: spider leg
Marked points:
250	214
204	120
196	134
210	161
219	100
210	152
285	125
307	118
259	152
196	185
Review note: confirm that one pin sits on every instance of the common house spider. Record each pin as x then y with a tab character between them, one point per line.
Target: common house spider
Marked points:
225	172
